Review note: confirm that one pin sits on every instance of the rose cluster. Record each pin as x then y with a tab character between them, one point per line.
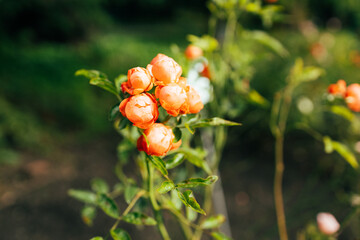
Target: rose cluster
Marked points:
350	93
171	93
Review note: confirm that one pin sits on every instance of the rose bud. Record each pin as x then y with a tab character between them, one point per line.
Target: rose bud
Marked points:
160	140
193	52
165	70
352	97
194	100
338	89
140	109
158	57
172	98
327	223
139	80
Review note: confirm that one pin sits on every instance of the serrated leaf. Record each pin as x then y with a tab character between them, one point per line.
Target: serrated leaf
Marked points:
139	219
341	149
88	214
99	185
158	163
219	236
108	205
190	201
114	112
83	196
119	234
213	222
174	160
177	133
130	192
165	187
195	182
97	238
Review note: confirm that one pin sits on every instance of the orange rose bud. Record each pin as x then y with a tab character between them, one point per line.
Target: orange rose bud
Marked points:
165	70
194	100
158	57
139	80
352	97
338	89
140	109
173	98
193	52
327	223
160	140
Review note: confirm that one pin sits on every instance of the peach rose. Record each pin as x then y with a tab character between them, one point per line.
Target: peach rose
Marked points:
194	100
165	70
352	97
172	98
338	89
193	52
327	223
140	109
139	80
160	139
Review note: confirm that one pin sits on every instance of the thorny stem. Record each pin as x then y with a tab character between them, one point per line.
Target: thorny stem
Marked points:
156	209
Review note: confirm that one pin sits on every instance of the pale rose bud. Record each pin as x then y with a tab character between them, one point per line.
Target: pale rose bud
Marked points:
352	97
193	52
140	109
172	98
194	100
327	223
139	80
338	89
160	140
165	70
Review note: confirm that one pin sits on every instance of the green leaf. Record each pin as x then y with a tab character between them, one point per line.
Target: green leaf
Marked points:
122	123
209	122
342	111
195	182
83	196
310	74
130	192
114	112
98	79
174	161
158	163
88	214
119	80
177	133
255	97
97	238
219	236
196	157
165	187
268	41
341	149
213	222
139	219
99	185
107	205
119	234
190	201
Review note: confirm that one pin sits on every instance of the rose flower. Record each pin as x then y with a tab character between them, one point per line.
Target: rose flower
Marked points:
352	97
193	52
140	109
173	98
338	89
165	70
139	80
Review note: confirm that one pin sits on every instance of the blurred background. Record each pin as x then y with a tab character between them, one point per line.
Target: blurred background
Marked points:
55	134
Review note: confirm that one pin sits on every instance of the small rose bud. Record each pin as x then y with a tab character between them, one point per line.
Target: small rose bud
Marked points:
172	98
194	100
160	140
338	89
165	70
140	109
327	223
193	52
139	80
352	97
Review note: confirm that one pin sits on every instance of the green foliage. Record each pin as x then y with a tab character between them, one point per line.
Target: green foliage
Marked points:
165	187
195	182
190	201
219	236
213	222
158	163
342	149
88	213
139	219
119	234
83	196
108	205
